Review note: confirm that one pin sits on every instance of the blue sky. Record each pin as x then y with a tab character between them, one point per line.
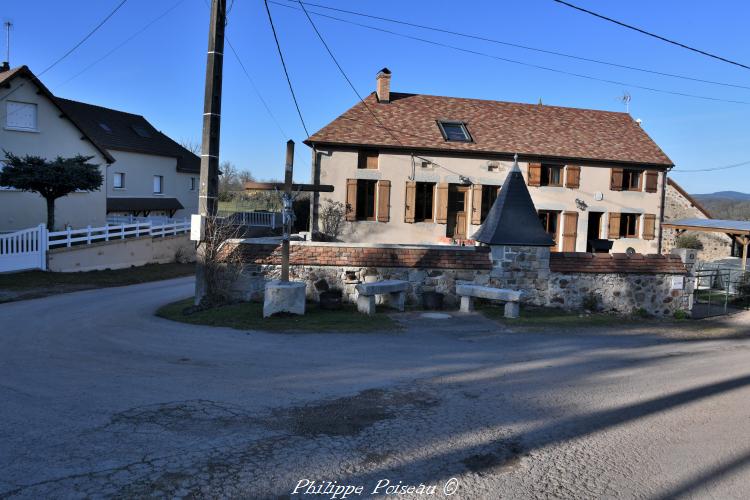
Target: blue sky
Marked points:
160	72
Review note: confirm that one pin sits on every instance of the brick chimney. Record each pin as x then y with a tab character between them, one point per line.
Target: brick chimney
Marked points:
383	85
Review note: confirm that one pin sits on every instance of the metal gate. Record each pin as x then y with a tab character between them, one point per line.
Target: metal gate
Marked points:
25	249
719	290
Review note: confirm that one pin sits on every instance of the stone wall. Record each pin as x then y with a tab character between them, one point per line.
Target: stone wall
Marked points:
679	205
616	282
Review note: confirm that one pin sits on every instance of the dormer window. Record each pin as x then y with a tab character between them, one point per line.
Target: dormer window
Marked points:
454	131
142	131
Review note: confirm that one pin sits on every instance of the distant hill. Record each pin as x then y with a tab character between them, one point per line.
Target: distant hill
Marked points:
725	195
726	204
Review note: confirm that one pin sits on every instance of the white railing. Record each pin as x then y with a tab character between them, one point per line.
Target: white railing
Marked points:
130	219
89	235
25	249
258	219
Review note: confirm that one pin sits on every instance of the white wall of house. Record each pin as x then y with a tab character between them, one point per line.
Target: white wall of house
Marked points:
338	166
138	181
53	136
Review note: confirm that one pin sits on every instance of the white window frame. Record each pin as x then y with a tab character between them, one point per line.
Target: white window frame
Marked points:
9	111
160	179
122	180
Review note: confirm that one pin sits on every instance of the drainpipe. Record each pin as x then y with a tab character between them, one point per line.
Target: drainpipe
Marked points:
661	210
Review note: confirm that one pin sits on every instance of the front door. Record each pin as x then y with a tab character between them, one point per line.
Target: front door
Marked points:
458	197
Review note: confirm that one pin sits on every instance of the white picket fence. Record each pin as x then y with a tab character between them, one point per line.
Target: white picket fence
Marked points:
27	249
258	219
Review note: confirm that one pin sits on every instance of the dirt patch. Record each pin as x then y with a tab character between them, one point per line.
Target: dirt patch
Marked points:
505	455
349	416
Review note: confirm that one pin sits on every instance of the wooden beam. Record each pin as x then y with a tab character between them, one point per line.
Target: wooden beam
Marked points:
270	186
703	229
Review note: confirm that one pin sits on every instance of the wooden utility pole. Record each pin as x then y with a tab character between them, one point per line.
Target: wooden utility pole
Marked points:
209	177
288	209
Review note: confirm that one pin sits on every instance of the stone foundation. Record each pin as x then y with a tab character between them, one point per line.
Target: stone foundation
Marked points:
616	283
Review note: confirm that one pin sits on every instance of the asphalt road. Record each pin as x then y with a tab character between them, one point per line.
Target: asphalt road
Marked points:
99	398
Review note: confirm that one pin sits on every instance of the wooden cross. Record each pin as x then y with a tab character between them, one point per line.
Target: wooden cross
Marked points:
289	192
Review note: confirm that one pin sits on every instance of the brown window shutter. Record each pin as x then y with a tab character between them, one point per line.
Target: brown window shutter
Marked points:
476	204
572	176
411	200
535	174
652	181
442	204
614	226
351	199
649	226
384	201
615	179
372	160
570	231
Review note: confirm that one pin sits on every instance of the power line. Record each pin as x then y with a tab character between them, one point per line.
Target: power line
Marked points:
286	73
72	49
521	63
648	33
348	80
519	46
713	169
124	42
90	33
255	88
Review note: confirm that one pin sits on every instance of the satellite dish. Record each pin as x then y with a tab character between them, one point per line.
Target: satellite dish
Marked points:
598	196
630	251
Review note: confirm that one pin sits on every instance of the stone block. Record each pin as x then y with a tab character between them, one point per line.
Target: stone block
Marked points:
366	304
284	297
467	304
512	310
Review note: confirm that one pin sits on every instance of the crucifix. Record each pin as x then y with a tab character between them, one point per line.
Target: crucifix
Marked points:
288	192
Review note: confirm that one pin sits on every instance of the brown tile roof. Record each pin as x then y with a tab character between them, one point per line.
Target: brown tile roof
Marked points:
322	255
615	263
497	127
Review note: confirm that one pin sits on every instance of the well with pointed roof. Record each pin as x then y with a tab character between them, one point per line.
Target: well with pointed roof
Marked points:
513	219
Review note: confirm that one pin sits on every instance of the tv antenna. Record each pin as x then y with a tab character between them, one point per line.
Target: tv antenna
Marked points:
625	99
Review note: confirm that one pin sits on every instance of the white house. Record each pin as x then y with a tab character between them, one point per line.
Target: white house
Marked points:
146	172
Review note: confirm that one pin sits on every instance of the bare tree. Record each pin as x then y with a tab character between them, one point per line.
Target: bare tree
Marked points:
332	218
223	262
191	145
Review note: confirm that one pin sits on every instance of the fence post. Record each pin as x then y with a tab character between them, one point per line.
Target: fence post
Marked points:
43	243
69	231
122	231
88	234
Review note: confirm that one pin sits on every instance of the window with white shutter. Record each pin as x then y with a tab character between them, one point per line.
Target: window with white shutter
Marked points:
20	116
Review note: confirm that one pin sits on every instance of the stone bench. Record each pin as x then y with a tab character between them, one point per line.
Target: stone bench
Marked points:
394	291
511	298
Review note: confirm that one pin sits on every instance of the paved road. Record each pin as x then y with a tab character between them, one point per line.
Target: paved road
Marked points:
100	398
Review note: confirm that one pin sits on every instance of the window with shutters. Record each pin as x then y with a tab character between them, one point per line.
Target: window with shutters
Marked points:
550	221
631	179
551	175
489	195
366	199
629	225
21	116
368	159
423	201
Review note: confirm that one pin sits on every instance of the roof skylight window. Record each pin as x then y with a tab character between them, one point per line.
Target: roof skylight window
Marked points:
105	127
142	131
454	131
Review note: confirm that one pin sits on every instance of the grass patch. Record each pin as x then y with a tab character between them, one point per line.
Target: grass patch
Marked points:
32	284
249	316
551	317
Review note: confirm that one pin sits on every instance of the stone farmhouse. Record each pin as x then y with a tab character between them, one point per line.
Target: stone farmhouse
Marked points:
415	168
146	172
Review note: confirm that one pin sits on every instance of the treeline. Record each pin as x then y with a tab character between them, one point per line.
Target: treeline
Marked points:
722	208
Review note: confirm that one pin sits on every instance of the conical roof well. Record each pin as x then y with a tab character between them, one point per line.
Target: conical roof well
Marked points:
513	219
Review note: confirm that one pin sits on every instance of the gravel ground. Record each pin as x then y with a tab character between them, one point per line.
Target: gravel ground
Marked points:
102	399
